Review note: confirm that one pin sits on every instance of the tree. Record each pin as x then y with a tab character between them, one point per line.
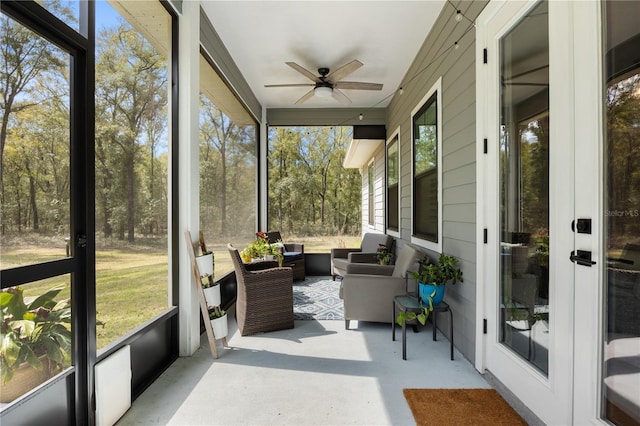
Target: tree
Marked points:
228	153
25	57
623	154
309	190
131	91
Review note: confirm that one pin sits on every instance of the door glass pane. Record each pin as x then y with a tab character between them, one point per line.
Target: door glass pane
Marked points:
132	161
36	335
34	148
392	185
621	346
524	188
68	11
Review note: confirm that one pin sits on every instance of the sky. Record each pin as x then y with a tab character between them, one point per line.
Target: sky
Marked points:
106	16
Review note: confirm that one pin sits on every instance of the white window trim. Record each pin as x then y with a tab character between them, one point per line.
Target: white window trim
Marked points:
370	184
436	88
394	135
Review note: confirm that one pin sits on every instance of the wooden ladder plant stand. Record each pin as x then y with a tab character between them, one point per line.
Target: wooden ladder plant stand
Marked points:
203	302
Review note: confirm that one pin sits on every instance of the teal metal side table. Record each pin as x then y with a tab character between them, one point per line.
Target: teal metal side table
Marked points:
411	303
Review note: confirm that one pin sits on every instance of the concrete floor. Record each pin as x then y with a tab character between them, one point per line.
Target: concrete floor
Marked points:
317	373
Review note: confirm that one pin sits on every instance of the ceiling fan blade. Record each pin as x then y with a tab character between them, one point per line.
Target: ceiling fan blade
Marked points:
305	98
290	85
340	97
303	71
357	85
344	71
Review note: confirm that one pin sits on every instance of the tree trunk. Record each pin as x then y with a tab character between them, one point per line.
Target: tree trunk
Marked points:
130	198
33	203
223	192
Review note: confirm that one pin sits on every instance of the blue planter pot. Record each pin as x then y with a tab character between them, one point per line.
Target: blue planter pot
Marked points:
426	290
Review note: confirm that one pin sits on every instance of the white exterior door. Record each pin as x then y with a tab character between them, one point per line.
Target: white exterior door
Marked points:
540	116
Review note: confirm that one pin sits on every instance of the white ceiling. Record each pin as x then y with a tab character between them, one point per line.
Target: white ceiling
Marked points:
262	35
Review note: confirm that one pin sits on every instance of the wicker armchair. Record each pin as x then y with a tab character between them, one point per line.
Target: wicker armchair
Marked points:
265	297
293	255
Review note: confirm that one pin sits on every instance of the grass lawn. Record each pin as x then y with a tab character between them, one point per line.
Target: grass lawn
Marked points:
131	279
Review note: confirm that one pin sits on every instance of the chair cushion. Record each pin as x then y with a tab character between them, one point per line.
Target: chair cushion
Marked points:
409	255
371	241
292	255
340	266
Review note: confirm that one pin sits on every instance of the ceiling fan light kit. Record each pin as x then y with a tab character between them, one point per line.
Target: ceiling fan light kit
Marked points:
323	92
328	84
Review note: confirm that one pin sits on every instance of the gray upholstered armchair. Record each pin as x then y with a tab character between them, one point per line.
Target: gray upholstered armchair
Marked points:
360	260
369	297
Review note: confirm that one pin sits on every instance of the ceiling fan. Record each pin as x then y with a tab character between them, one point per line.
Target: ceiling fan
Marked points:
328	84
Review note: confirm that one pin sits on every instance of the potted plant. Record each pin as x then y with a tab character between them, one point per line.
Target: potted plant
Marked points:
254	251
384	255
273	252
205	263
261	249
432	280
211	291
218	318
209	286
36	342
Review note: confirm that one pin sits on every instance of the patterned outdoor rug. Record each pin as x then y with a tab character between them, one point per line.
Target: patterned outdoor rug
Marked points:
317	298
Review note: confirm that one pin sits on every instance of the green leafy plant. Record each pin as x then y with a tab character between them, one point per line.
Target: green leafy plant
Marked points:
446	271
216	312
420	316
384	255
260	248
542	247
32	328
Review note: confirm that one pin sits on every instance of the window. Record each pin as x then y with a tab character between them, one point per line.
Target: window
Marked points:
131	166
393	192
426	220
228	169
371	195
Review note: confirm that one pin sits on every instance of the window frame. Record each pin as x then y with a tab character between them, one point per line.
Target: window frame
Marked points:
371	193
395	138
436	90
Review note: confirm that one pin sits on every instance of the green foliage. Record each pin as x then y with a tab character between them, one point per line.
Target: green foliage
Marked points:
131	132
259	248
216	312
31	328
421	316
228	168
384	255
310	193
447	270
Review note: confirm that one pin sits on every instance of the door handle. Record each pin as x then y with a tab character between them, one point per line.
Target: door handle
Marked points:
583	226
582	257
